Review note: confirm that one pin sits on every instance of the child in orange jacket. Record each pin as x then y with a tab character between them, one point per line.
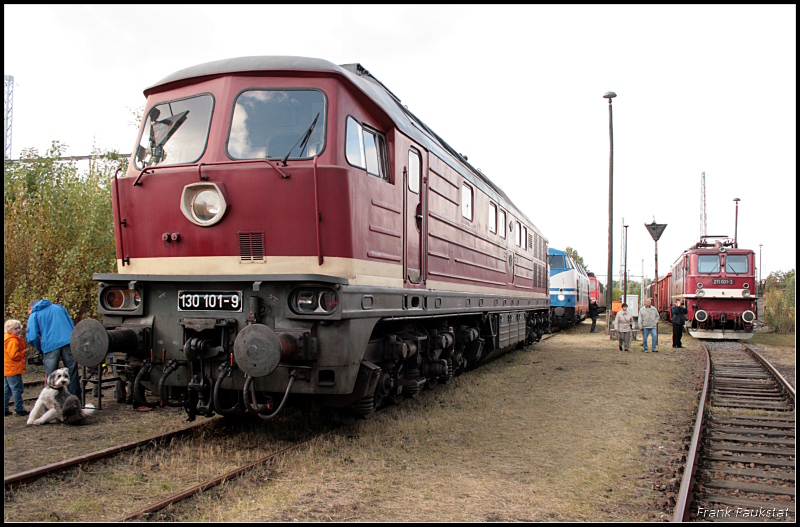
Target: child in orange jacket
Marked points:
14	366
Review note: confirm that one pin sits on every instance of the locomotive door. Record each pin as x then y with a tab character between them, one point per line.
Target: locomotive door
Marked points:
415	224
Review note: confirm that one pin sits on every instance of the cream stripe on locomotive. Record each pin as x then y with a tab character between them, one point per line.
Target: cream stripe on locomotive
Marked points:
357	272
721	293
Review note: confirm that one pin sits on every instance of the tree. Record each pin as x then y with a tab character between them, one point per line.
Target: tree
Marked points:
57	231
780	301
575	256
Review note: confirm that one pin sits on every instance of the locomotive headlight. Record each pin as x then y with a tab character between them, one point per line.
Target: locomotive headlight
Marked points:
310	302
206	205
699	285
700	292
746	293
203	203
561	297
121	299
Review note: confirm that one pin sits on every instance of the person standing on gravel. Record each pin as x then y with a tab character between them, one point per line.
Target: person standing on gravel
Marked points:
14	366
648	324
623	324
678	320
49	329
594	310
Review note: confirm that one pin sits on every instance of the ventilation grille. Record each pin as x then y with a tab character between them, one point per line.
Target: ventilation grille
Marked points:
530	242
251	247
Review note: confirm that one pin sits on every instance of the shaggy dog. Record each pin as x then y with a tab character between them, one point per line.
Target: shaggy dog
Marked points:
56	404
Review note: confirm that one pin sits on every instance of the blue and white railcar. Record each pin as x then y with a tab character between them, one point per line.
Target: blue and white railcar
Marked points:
569	289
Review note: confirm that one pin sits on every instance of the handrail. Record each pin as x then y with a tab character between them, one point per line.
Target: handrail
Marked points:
120	219
317	214
284	175
691	458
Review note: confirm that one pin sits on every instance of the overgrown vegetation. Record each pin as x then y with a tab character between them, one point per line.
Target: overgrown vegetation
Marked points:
780	301
57	230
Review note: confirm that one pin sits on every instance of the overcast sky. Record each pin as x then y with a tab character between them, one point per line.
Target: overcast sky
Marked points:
518	89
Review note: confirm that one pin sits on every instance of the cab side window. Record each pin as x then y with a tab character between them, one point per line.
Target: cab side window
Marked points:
366	148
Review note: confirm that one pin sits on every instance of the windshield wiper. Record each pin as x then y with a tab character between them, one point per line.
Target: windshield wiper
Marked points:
304	139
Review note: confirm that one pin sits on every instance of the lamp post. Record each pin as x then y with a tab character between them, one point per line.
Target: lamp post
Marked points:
736	225
610	95
759	269
625	267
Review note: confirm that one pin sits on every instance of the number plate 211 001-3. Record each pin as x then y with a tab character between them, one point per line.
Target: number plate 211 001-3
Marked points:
210	301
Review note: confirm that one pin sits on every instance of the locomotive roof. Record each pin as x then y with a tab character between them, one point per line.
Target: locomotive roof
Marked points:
406	121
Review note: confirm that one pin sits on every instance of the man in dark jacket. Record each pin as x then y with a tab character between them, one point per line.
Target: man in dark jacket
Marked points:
678	320
49	330
594	310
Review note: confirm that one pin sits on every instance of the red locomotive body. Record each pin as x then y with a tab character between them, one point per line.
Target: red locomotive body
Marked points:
286	225
716	281
597	291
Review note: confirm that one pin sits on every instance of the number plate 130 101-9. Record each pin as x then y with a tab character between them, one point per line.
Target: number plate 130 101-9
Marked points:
210	301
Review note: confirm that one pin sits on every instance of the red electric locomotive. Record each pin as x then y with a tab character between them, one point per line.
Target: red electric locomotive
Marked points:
597	291
716	281
287	227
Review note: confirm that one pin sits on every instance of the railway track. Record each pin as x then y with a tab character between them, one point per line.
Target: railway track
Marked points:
29	476
741	461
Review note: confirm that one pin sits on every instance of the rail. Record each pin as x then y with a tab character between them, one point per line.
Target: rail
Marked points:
684	495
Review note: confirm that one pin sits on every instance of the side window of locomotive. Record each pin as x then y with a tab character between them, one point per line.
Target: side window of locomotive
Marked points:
466	202
492	218
414	171
518	235
502	224
175	132
366	148
354	146
708	263
736	264
278	124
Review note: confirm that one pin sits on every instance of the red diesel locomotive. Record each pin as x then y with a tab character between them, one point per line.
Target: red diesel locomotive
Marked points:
287	227
716	281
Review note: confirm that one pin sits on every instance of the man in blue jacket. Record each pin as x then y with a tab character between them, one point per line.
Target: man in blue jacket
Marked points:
49	330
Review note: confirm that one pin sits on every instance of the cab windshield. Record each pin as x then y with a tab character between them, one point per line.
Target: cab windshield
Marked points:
556	261
708	263
278	124
175	132
736	264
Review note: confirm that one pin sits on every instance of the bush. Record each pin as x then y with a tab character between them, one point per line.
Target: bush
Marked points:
58	231
780	301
